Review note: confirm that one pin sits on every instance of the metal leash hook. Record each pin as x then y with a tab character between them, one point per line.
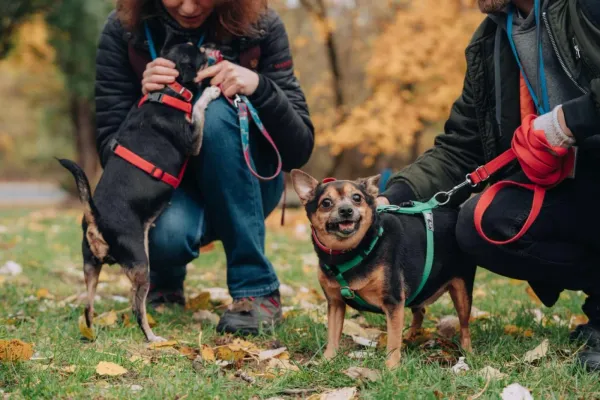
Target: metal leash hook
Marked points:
447	195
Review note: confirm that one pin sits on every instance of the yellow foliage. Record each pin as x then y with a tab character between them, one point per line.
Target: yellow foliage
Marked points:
416	72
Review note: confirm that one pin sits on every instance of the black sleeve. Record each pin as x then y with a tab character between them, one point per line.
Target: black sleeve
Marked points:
279	99
582	115
116	88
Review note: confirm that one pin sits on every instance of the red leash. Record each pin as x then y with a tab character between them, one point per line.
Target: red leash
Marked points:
546	166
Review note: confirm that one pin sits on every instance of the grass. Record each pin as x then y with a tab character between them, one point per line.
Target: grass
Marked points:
46	245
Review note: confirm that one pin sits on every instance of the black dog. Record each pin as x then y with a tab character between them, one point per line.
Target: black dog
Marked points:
345	223
127	199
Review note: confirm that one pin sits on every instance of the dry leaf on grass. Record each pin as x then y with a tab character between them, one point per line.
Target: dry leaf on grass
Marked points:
199	302
188	352
268	354
107	319
339	394
516	331
11	268
477	314
491	373
85	331
15	350
109	369
537	353
151	321
448	326
208	354
515	392
160	345
577	320
69	369
359	355
277	366
359	373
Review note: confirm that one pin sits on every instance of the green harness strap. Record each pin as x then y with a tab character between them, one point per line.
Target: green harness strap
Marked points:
417	208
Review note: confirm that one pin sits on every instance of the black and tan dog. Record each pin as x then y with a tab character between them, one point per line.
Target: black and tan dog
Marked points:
345	222
127	199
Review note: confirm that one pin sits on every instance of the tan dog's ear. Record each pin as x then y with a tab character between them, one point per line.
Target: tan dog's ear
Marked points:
304	185
371	184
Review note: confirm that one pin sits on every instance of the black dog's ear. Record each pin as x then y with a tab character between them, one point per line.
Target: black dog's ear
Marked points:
304	185
371	184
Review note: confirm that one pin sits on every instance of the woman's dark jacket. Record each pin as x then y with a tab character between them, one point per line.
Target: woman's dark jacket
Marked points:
281	104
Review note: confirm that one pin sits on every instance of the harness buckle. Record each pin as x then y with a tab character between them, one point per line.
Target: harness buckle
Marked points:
156	176
482	176
112	145
155	96
347	293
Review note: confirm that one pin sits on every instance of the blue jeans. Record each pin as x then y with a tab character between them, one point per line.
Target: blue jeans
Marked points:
219	199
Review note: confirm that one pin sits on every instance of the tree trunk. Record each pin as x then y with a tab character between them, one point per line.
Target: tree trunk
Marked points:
85	137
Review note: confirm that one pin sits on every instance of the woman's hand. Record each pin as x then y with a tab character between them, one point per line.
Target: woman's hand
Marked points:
158	73
233	78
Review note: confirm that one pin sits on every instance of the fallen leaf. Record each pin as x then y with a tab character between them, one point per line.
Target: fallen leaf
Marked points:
515	392
533	296
276	365
460	366
159	345
537	353
109	369
479	293
515	331
151	321
125	320
577	320
136	388
15	350
106	319
188	352
538	315
219	295
11	268
359	373
206	316
364	341
85	331
199	302
245	377
208	354
347	393
268	354
492	373
69	369
43	293
225	353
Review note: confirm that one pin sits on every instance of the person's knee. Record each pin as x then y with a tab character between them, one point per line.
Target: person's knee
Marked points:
173	239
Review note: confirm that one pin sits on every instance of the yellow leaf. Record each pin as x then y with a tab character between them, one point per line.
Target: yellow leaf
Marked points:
43	293
70	369
208	354
85	331
277	366
151	321
158	345
15	350
109	369
577	320
187	352
125	320
515	331
225	353
200	302
107	319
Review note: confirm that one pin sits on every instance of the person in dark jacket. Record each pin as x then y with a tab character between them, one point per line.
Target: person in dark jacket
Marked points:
219	198
561	250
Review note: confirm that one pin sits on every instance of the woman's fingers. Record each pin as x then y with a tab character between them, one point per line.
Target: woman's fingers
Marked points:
160	70
151	87
163	62
209	72
233	85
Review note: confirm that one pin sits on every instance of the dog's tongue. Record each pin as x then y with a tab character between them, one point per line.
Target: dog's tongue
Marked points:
346	226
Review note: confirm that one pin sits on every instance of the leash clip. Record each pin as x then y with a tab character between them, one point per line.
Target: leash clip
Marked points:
347	293
447	195
236	101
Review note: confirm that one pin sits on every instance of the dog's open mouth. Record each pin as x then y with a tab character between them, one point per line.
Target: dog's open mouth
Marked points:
343	228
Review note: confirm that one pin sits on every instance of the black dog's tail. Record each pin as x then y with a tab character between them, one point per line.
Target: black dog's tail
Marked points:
83	187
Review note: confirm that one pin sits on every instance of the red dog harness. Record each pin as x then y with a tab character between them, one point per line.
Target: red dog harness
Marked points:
139	162
545	165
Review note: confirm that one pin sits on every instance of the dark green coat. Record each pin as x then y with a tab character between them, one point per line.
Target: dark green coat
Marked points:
483	119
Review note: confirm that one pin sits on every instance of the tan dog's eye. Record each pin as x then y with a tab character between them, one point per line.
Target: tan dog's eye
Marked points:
326	203
356	198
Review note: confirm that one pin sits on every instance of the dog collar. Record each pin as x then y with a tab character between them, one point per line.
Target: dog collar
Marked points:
183	105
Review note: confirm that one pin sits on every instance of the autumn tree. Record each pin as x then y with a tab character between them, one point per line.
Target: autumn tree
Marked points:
415	73
13	14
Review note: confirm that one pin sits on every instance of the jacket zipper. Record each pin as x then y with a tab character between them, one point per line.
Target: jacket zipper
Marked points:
576	48
560	60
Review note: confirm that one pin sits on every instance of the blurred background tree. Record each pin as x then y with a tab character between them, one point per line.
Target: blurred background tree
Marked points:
380	78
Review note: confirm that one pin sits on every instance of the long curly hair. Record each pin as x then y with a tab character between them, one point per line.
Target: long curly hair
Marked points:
236	17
